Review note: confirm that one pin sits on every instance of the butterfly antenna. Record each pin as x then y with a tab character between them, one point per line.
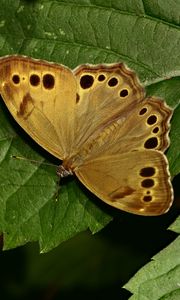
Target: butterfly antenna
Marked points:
33	160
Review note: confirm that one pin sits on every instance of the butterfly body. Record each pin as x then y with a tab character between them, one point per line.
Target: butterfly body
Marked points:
99	122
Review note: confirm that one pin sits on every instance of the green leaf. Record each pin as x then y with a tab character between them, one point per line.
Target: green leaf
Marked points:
159	279
145	35
176	226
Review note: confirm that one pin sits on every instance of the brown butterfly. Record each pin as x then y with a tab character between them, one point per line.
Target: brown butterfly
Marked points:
98	121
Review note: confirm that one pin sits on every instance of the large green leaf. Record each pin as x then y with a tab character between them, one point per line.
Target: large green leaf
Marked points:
145	35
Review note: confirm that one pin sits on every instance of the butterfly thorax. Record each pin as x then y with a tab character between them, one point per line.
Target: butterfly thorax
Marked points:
69	164
63	172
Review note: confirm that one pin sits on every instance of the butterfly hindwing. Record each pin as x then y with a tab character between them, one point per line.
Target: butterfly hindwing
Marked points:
136	182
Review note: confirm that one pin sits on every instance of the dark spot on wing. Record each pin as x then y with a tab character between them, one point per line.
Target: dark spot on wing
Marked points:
147	171
143	111
77	97
34	80
152	120
101	77
113	82
151	143
16	79
147	198
48	81
155	130
147	183
123	93
26	106
86	81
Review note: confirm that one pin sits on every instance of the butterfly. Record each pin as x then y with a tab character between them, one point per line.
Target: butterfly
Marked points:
98	121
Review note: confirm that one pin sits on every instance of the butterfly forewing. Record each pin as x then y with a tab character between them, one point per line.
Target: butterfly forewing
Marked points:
145	127
41	101
104	92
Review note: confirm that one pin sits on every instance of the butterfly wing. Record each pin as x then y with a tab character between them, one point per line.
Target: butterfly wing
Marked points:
104	91
41	96
122	160
136	182
111	100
